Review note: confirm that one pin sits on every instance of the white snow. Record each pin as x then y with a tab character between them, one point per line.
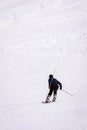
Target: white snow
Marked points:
37	38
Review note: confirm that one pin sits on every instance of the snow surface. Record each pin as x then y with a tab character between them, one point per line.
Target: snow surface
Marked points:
37	38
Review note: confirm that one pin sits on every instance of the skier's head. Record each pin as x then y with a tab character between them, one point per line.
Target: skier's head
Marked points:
50	76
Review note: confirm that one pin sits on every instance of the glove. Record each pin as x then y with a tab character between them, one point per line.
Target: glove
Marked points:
48	87
61	87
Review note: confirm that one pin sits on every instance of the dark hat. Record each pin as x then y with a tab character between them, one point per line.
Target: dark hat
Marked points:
50	76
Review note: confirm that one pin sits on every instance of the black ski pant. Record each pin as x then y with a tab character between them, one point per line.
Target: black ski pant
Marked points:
53	90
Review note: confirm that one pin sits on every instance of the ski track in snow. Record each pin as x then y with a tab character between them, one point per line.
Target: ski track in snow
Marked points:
37	38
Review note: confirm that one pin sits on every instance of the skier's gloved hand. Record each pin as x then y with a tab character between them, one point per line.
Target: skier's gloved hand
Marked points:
49	87
60	86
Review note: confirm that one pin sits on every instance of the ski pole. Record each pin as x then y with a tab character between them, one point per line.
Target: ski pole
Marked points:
67	92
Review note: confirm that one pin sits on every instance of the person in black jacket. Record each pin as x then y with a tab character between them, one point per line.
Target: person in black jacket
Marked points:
53	84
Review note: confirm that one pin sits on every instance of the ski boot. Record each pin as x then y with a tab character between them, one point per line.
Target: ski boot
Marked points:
54	98
47	99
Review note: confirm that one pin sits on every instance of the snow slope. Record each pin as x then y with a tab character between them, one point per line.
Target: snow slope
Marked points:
37	38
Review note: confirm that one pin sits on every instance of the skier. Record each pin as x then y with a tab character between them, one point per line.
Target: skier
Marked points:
53	84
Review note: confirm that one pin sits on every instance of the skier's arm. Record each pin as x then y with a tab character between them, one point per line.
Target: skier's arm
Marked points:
60	86
48	85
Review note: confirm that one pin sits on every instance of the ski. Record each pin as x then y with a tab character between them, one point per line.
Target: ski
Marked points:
46	102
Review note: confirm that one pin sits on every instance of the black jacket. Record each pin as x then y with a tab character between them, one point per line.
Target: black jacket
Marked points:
54	82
